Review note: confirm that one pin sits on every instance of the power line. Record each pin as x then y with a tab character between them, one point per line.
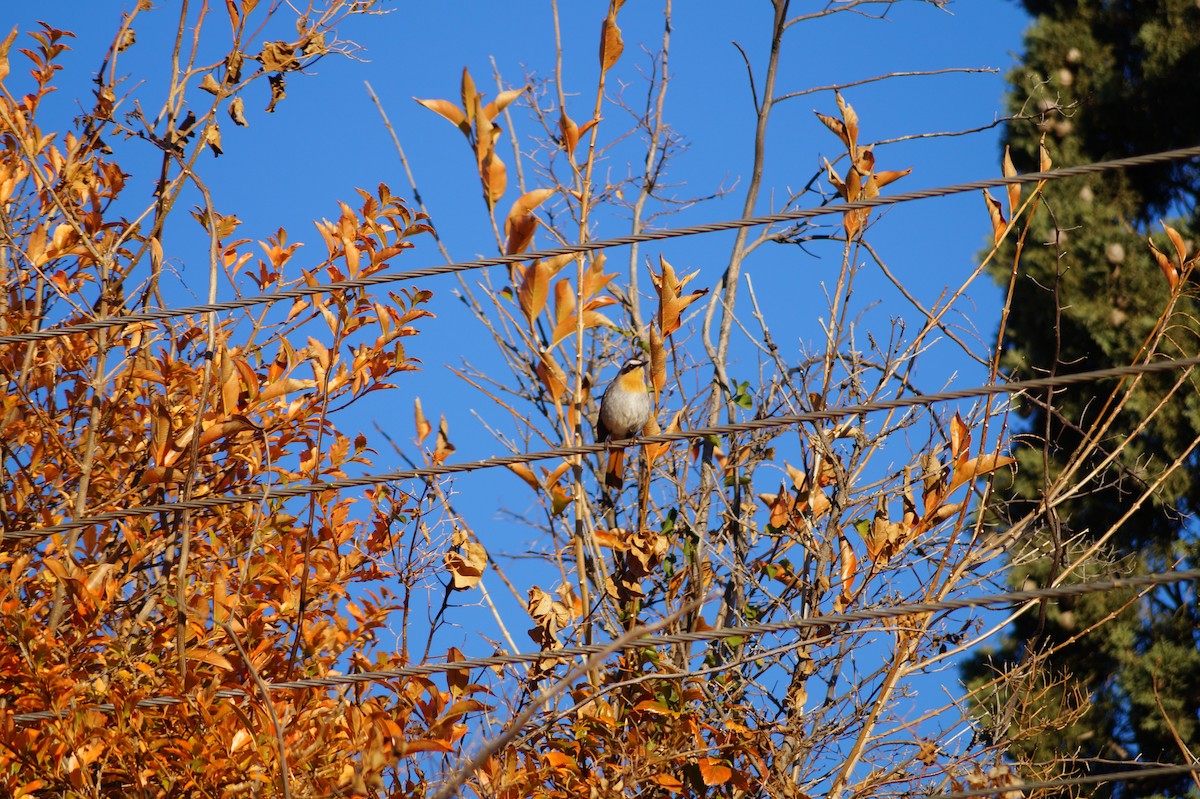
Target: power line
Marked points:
574	249
287	492
715	634
1149	772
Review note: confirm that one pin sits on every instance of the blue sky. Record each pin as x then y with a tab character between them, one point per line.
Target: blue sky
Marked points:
326	139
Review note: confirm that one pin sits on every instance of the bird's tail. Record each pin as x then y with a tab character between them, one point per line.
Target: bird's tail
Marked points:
614	472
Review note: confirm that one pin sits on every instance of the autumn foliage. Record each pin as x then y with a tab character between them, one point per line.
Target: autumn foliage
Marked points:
185	604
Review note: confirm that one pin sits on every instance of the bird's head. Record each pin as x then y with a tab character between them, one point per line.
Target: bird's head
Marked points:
632	365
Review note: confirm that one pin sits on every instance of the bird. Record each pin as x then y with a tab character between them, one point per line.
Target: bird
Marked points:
625	411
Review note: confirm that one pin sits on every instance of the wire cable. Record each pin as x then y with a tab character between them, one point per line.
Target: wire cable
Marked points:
1149	772
600	244
306	489
713	634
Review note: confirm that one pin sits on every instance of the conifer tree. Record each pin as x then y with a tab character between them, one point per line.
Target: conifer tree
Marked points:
1103	79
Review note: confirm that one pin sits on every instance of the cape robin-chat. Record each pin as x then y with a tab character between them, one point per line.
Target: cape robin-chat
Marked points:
625	410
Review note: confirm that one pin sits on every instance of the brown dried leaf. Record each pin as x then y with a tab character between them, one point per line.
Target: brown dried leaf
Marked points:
202	654
878	551
887	176
799	479
285	386
466	565
235	424
423	426
848	563
4	48
470	97
448	110
670	304
658	361
977	467
233	67
569	132
494	175
212	137
278	90
535	286
526	474
237	112
502	101
779	506
210	85
999	223
560	500
1014	189
611	45
520	224
836	125
1177	241
1164	263
569	324
655	451
161	474
851	120
443	449
836	180
960	439
552	377
278	56
595	279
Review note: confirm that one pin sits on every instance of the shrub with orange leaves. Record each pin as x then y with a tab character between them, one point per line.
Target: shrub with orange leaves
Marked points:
187	603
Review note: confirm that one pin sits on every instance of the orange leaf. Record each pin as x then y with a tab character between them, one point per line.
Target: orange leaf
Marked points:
526	474
443	449
556	475
284	386
848	562
570	132
235	424
999	223
520	224
960	439
552	376
851	119
654	451
890	176
494	175
4	47
567	326
836	125
424	428
611	45
594	277
534	289
1168	268
668	781
1177	240
449	111
836	180
502	101
161	474
203	655
1014	189
670	304
713	771
977	467
658	361
470	98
